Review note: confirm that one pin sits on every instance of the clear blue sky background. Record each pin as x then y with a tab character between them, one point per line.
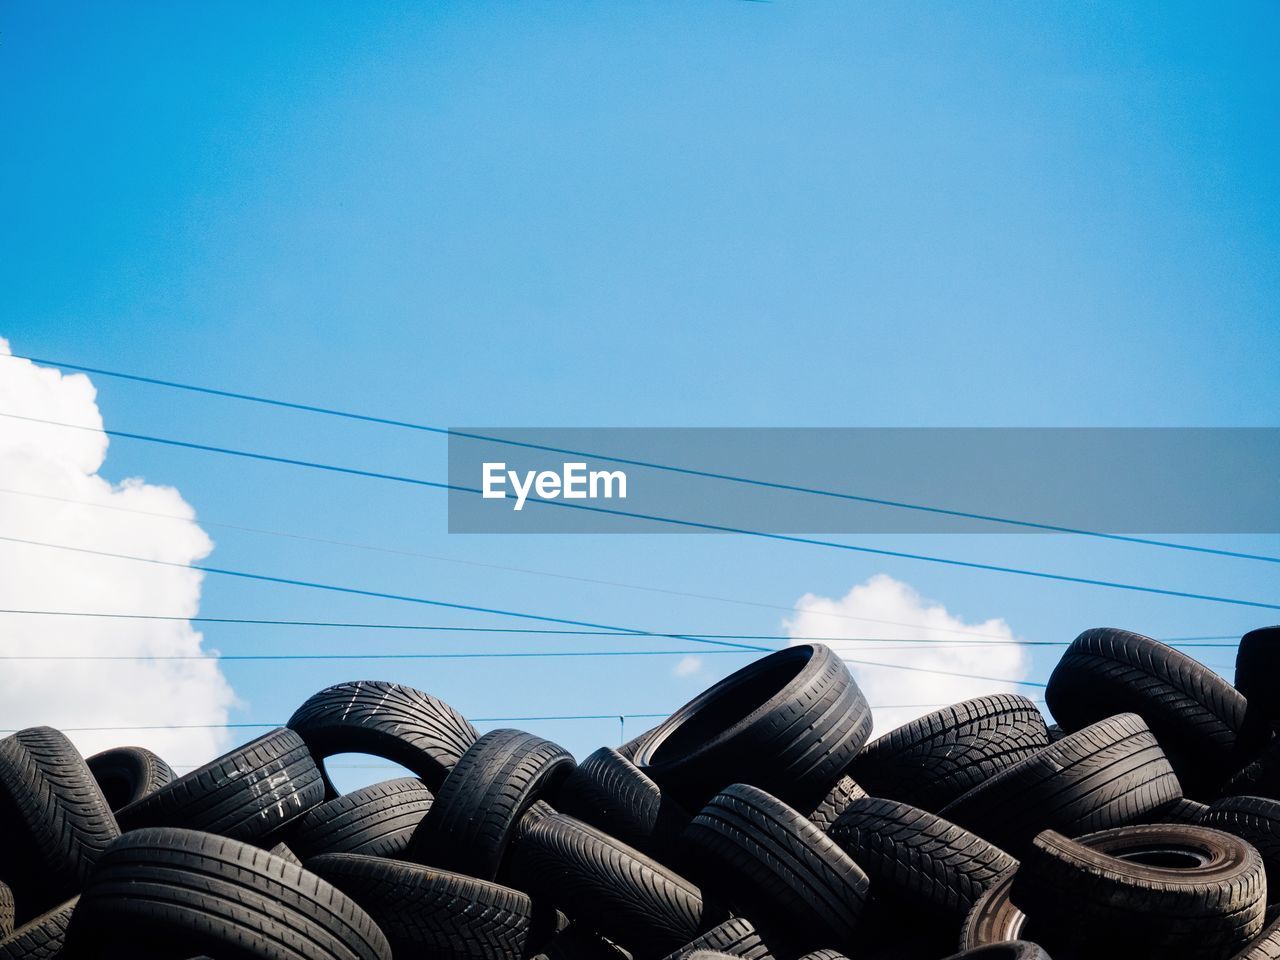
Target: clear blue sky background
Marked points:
660	213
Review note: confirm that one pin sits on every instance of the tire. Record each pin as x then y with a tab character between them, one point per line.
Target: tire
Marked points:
246	794
1171	890
837	800
388	720
1257	666
1260	777
931	761
377	820
1256	820
432	913
919	859
1181	811
127	774
42	938
789	723
1265	947
1198	718
593	878
771	861
824	955
163	892
736	937
1107	775
1055	732
1010	950
478	808
994	919
608	791
56	822
6	911
283	851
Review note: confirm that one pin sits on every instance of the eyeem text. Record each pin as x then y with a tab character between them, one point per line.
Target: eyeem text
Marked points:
573	482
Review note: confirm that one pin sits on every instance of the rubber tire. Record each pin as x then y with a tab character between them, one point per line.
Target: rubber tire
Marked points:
285	852
1257	667
1212	909
127	774
931	761
789	723
246	794
6	911
1265	947
40	939
377	820
478	808
1258	778
1107	775
608	791
1009	950
56	822
737	937
1255	820
429	912
837	800
918	858
388	720
1181	811
162	892
771	861
633	900
1197	716
994	919
824	955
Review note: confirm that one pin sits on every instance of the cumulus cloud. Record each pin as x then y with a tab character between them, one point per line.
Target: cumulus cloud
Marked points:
64	464
893	611
687	666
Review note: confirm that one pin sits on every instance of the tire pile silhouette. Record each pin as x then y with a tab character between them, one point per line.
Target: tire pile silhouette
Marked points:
758	822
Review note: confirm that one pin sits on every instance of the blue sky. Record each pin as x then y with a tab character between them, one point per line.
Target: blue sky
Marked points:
696	213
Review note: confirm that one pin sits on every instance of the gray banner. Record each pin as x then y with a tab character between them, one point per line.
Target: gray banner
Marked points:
864	480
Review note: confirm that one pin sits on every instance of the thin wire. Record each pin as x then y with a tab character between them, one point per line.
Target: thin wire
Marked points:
692	524
685	471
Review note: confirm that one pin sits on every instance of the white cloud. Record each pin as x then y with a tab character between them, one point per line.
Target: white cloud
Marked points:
902	614
62	463
687	666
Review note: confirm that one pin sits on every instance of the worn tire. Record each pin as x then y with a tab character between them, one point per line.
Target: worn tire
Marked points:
40	939
429	912
6	911
1170	889
631	899
918	858
772	861
377	820
56	821
246	794
1255	820
608	791
1107	775
388	720
1198	718
1257	667
163	892
789	723
837	800
1265	947
478	808
931	761
126	774
737	937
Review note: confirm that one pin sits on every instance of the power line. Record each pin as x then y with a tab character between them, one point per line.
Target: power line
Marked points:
692	524
668	468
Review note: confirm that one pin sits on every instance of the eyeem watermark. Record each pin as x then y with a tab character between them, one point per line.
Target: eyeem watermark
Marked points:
573	482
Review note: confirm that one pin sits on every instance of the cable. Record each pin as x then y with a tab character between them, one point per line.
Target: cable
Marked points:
685	471
693	524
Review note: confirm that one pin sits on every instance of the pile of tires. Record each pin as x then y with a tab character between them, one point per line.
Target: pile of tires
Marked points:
757	822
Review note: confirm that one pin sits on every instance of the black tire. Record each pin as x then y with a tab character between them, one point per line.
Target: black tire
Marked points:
432	913
56	821
1055	732
388	720
1010	950
771	861
994	919
917	858
1168	890
1107	775
608	791
631	899
6	911
824	955
127	774
246	794
41	938
737	937
931	761
377	820
1258	778
162	892
836	802
284	852
1255	820
1198	718
1257	667
478	808
1181	811
789	723
1265	947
